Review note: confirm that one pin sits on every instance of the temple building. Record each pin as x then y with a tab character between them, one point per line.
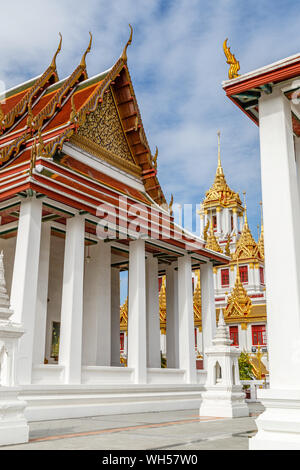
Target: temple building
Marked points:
239	285
80	201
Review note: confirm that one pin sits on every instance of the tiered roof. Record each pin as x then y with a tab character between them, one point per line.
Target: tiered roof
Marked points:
246	247
220	194
40	115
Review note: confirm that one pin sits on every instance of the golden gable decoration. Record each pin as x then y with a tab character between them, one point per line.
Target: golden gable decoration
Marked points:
239	303
103	127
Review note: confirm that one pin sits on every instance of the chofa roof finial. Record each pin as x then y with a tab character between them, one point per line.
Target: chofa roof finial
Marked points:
231	60
124	53
53	63
82	63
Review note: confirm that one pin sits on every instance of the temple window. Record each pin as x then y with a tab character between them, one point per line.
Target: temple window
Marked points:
196	338
231	221
234	335
214	221
261	275
259	335
225	277
244	274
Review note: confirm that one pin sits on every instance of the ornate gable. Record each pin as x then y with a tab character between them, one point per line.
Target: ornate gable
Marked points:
239	303
103	128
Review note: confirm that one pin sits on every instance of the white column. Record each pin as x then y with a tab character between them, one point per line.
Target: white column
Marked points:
243	343
172	320
97	307
208	307
115	317
187	360
201	225
25	281
152	309
72	301
235	221
219	225
137	311
42	296
278	426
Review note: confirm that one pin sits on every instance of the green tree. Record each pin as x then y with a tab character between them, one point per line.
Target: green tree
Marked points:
245	367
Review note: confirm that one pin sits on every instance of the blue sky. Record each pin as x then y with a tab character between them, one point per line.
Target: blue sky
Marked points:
177	65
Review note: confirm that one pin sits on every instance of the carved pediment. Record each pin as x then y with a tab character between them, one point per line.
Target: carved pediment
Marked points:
103	128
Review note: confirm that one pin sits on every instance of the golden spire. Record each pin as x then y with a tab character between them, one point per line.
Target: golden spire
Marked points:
124	53
220	193
219	168
239	303
205	230
82	63
246	246
231	60
197	291
53	63
212	243
227	246
245	206
261	241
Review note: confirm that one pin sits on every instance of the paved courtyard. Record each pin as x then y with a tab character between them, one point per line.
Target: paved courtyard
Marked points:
169	430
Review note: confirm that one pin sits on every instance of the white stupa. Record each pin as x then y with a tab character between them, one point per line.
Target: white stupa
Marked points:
13	425
224	396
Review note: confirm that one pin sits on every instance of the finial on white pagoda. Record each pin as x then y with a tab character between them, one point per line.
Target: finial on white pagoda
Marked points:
224	396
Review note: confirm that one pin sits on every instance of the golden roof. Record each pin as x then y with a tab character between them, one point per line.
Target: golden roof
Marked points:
220	193
124	316
259	369
212	242
163	305
197	302
261	243
246	246
239	303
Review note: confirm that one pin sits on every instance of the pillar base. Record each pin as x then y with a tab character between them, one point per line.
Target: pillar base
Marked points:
224	402
279	425
13	425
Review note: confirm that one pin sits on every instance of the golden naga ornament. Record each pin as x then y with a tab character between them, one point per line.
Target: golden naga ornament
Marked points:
82	63
124	53
53	63
231	60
